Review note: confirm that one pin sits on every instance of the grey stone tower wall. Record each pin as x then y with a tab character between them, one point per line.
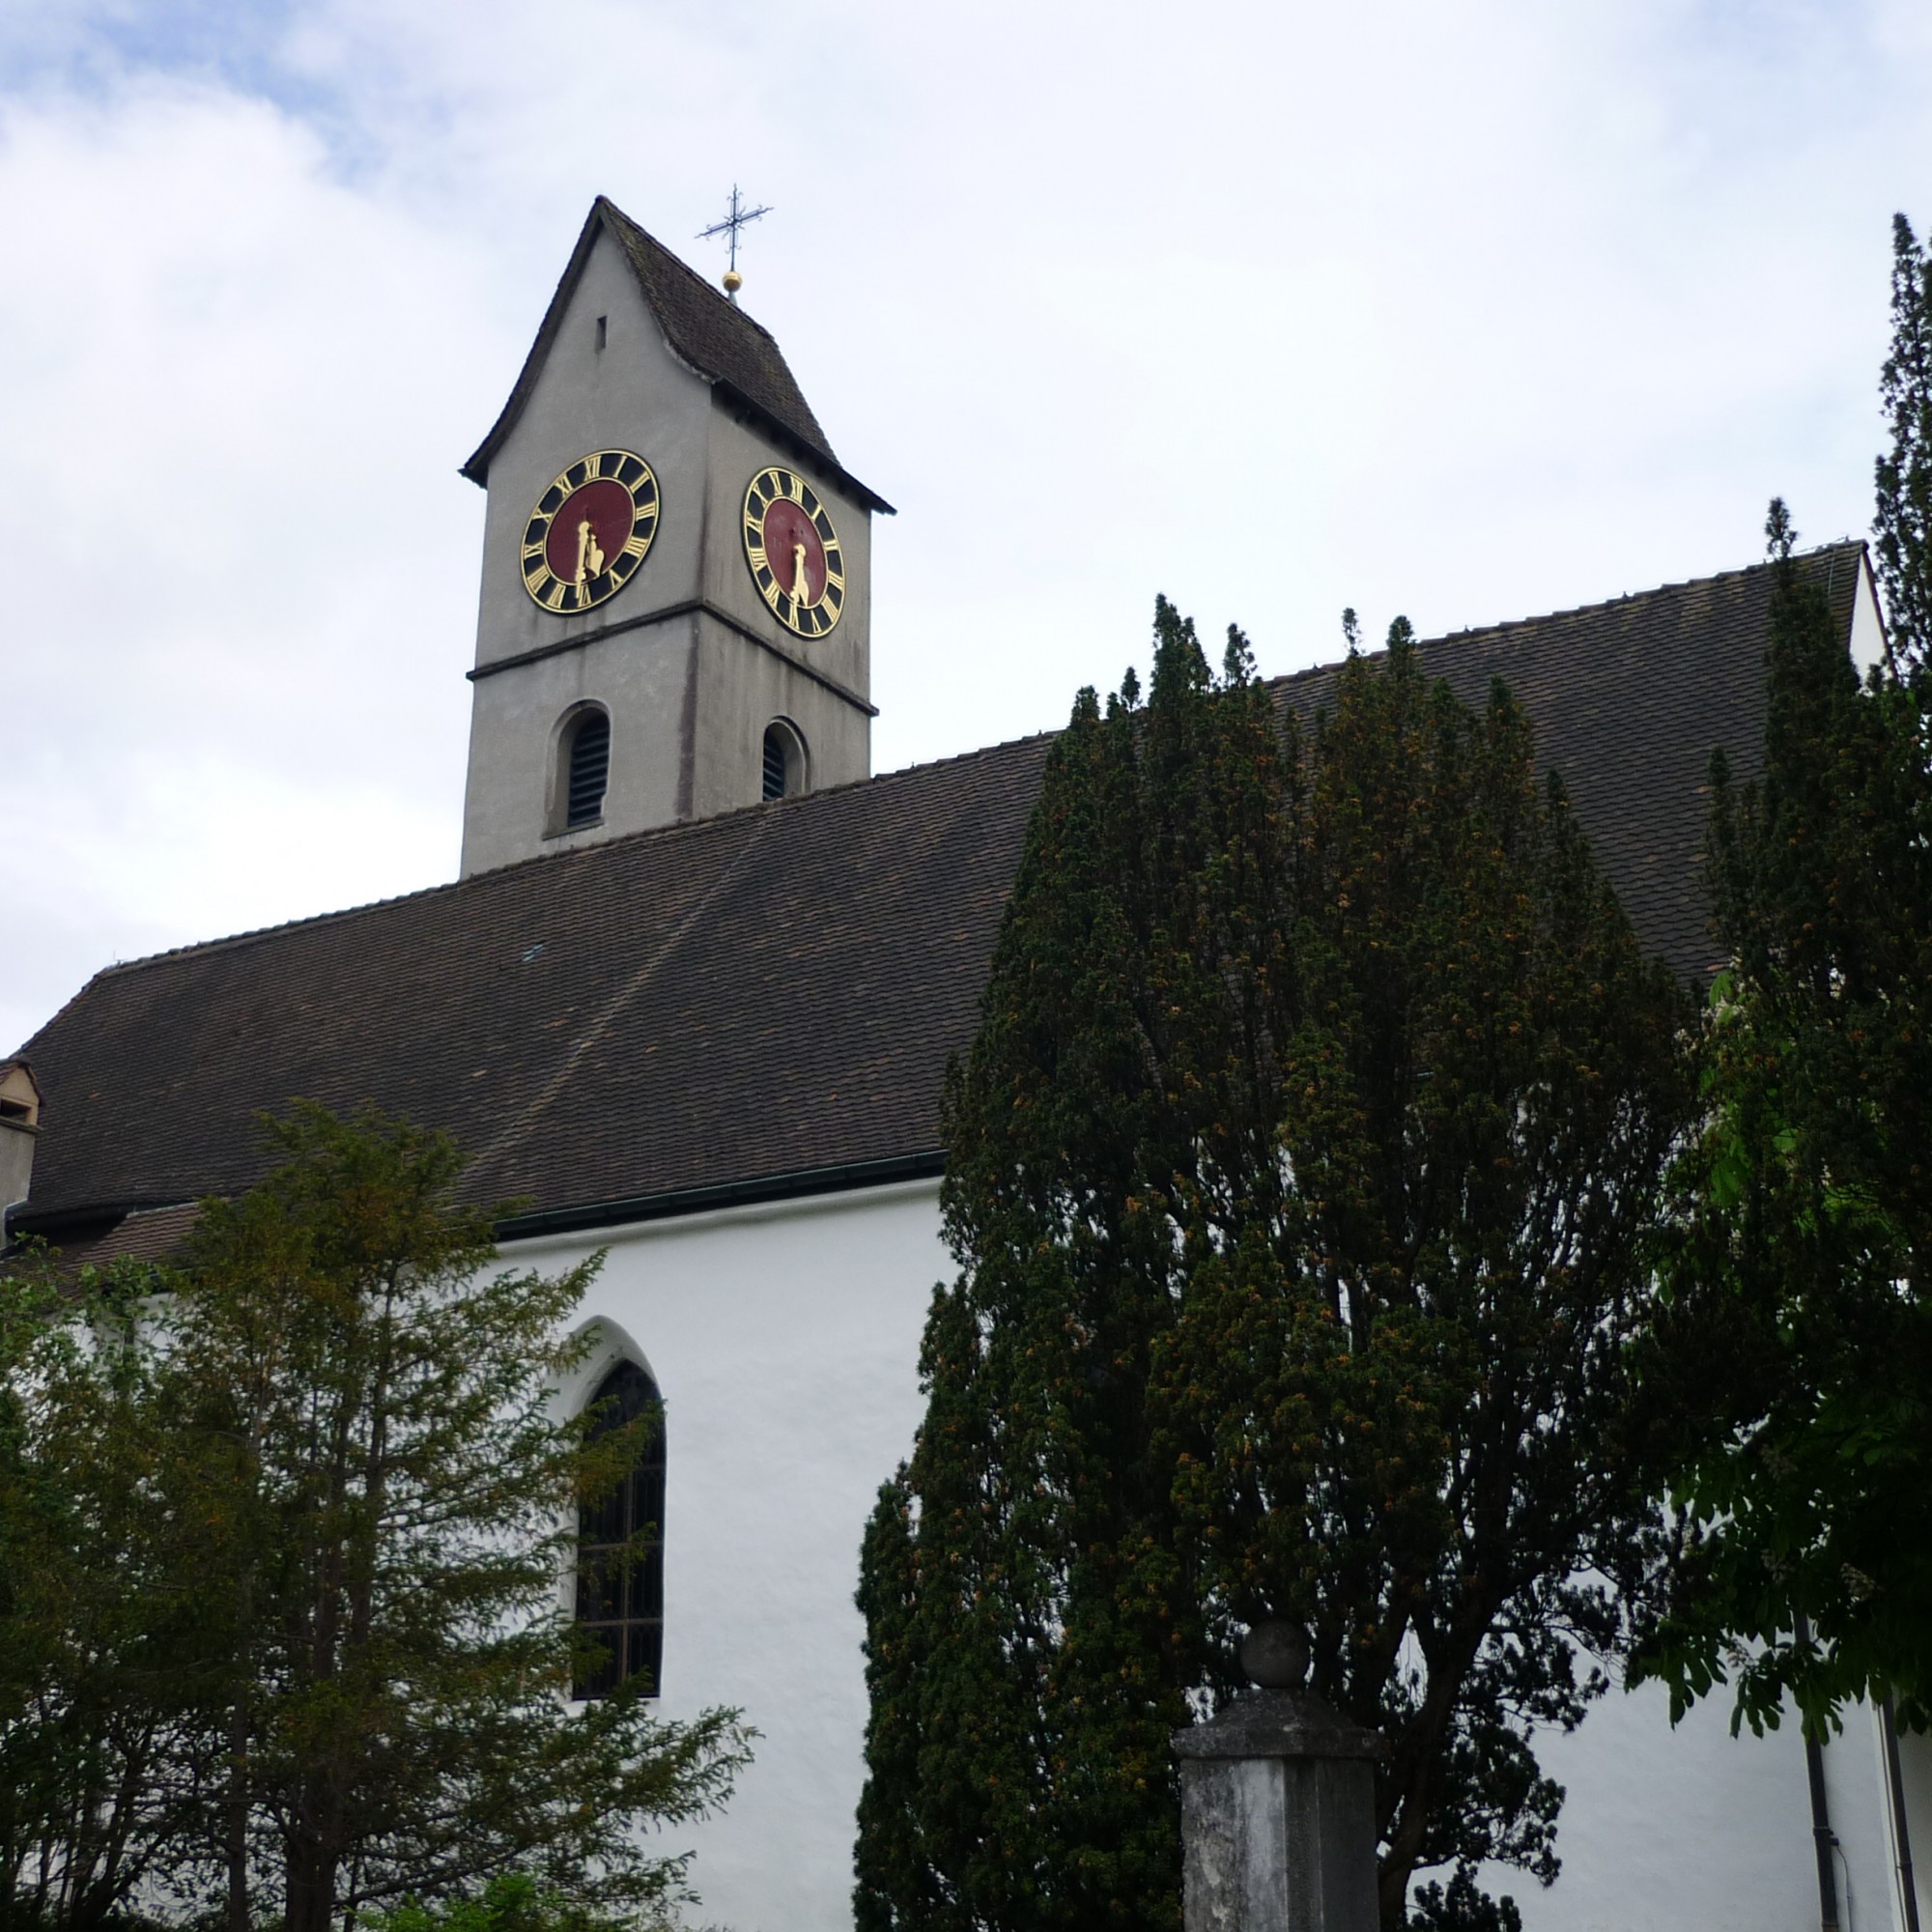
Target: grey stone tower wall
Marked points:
686	659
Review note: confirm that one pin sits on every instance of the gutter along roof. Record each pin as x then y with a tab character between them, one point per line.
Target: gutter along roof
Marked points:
762	1005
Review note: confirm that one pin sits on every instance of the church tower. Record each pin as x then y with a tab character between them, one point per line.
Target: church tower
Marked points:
676	594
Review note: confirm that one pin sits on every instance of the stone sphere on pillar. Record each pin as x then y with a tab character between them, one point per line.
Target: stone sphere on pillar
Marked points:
1274	1655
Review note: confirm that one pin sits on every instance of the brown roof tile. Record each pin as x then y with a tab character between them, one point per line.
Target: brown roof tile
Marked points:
1629	699
777	991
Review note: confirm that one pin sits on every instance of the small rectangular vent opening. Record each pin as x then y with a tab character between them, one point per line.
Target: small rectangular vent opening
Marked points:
590	769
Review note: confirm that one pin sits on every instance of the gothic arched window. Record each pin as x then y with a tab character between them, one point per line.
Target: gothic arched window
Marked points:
784	760
620	1546
587	767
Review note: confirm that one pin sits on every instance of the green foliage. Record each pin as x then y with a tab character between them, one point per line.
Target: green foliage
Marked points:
1299	1178
1800	1275
336	1455
1460	1907
1902	524
511	1902
100	1653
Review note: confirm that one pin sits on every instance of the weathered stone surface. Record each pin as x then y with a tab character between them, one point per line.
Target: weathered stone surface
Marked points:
1277	1797
1275	1656
1278	1723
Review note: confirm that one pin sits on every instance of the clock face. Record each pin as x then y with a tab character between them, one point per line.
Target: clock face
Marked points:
590	531
793	552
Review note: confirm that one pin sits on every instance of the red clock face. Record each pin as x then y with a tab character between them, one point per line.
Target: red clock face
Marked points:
793	552
793	546
589	531
607	507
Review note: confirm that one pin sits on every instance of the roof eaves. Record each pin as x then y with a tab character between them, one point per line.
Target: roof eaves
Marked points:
847	1177
811	452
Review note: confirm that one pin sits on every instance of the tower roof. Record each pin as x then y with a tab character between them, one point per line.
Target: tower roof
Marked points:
714	335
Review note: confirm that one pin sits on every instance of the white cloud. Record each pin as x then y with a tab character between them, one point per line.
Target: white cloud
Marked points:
236	552
1467	312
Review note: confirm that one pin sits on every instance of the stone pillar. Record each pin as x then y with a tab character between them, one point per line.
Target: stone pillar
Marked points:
1277	1805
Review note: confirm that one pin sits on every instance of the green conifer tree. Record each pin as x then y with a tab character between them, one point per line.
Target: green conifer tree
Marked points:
366	1432
1902	524
281	1530
1299	1179
103	1658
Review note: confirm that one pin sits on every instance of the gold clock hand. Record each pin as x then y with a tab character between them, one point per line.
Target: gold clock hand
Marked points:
801	578
589	553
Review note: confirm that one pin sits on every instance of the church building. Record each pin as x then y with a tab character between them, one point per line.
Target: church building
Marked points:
691	1001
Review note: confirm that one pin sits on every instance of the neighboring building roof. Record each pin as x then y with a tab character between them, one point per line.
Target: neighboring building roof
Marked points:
20	1091
708	331
146	1234
765	1002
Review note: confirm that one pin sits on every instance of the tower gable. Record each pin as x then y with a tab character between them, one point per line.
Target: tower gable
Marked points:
711	335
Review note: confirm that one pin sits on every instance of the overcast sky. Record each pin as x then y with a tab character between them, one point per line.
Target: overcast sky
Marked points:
1467	312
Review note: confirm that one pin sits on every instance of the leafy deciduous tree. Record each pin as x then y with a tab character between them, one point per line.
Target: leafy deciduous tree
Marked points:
1805	1259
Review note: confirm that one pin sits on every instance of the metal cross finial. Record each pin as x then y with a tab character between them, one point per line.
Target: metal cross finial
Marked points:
739	217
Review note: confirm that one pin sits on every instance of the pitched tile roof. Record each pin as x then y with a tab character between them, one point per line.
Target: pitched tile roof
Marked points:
709	332
1629	699
674	1016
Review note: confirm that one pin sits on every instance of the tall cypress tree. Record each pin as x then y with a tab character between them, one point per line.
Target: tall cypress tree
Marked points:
1902	525
1297	1178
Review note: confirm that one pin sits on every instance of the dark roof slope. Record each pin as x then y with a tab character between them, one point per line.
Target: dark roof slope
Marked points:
709	332
1629	699
760	993
777	991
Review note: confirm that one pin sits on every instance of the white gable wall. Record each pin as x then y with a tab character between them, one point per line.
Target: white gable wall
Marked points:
1868	638
785	1339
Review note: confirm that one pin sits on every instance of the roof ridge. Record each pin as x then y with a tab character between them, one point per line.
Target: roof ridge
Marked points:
248	936
804	801
1503	624
662	253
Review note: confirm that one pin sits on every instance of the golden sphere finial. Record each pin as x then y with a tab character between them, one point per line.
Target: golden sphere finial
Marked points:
734	282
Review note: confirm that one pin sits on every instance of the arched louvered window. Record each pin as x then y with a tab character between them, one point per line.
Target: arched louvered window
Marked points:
590	768
620	1546
784	760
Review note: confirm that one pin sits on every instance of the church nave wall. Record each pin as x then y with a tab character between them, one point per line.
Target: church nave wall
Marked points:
785	1339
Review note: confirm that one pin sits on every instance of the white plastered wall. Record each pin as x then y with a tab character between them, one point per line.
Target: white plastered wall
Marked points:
1868	638
785	1341
1914	1763
786	1338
